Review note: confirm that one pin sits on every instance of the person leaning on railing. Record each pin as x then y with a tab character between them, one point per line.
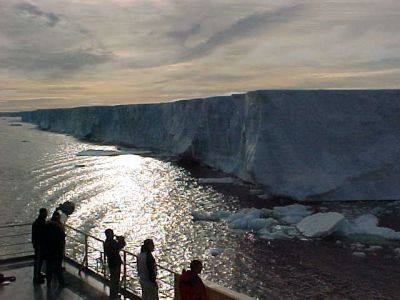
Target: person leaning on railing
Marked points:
111	250
38	242
147	271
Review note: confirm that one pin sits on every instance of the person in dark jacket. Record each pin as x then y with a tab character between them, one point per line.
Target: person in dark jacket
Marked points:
147	271
38	238
111	249
54	249
191	287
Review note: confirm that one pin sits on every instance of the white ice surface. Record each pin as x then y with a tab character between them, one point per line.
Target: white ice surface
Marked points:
320	224
92	152
367	224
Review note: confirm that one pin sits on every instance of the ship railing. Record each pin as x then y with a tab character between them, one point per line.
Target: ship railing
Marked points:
87	254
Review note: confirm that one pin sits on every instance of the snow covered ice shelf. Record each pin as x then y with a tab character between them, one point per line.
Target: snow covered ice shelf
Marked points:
304	144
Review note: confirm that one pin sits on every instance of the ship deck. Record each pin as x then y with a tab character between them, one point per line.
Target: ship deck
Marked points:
78	287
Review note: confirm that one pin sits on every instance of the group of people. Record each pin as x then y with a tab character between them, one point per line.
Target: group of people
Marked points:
191	287
48	239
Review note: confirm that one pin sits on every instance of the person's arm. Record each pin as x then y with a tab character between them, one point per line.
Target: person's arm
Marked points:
121	243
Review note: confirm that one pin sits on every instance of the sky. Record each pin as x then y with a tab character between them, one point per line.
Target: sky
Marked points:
69	53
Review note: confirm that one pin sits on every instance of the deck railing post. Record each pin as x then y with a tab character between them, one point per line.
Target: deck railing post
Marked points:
86	261
176	287
124	278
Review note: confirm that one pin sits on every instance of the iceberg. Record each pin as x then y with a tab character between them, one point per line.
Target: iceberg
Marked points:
320	224
301	144
92	152
367	224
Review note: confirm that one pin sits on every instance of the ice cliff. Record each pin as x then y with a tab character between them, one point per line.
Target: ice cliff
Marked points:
306	144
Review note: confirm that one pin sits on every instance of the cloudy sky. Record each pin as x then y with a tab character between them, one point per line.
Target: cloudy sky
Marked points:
69	53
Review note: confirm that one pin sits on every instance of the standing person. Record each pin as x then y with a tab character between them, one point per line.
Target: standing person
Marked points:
38	237
147	271
191	287
111	250
54	249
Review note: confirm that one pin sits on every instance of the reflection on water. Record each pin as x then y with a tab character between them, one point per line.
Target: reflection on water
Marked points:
139	197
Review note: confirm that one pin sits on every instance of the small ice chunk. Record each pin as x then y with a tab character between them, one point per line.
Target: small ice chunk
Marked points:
256	192
320	224
264	196
221	180
373	248
216	251
359	254
203	216
367	224
276	235
291	214
357	246
93	152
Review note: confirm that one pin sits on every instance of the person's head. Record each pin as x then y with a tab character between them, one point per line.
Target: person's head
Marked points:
196	266
43	213
148	245
56	216
109	233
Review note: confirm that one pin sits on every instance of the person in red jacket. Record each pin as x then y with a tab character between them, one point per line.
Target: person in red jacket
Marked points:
191	287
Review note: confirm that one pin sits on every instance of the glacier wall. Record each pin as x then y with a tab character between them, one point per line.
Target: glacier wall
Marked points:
305	144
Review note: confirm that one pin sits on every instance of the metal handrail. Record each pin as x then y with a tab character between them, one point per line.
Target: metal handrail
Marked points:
86	257
88	253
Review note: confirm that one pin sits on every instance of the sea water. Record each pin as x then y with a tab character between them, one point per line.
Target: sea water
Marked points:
153	195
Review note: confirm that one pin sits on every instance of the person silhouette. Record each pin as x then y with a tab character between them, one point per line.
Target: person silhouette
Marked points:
191	287
111	249
38	242
147	271
54	249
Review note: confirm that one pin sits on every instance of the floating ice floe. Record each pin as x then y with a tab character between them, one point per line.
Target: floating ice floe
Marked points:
134	151
359	254
297	221
292	214
213	217
320	224
373	248
216	251
221	180
367	224
92	152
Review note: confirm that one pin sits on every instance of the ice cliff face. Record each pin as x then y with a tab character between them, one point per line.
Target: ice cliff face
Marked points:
315	144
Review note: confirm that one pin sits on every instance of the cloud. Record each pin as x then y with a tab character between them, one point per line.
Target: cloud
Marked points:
34	12
242	28
183	35
384	63
50	64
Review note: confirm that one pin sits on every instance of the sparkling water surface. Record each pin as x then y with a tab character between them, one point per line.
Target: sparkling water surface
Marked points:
139	197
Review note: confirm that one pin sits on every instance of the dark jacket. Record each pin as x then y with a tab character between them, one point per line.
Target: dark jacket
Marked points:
111	250
38	232
55	240
191	287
